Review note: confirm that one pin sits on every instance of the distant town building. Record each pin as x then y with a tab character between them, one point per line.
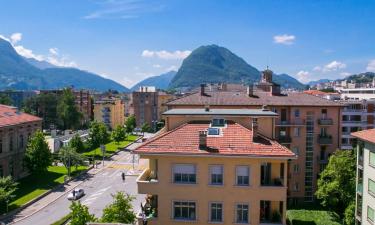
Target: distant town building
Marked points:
358	93
145	104
15	129
365	200
19	97
163	98
110	111
215	166
56	141
308	125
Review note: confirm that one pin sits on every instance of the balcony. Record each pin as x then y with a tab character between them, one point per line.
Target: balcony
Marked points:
147	182
360	187
271	212
325	122
149	209
284	139
276	182
287	123
325	140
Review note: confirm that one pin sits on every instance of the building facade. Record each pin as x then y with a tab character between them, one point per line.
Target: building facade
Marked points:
365	196
145	103
308	125
15	129
110	111
215	166
19	97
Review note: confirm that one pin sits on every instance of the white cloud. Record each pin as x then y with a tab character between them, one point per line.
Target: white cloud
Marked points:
334	66
371	66
284	39
303	76
28	53
54	51
317	68
174	68
345	74
163	54
16	37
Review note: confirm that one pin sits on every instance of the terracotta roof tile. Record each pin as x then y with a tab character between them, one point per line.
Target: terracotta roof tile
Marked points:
9	116
366	135
231	98
234	140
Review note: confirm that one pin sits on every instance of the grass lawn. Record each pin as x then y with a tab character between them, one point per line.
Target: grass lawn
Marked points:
33	185
312	217
111	147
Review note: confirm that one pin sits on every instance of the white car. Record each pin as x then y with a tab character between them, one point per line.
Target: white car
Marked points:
76	194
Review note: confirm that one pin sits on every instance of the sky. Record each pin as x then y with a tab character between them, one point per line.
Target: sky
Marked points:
129	40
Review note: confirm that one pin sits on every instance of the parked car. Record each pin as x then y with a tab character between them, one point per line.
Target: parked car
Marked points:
76	194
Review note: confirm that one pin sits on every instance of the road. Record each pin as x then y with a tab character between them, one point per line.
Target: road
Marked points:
98	189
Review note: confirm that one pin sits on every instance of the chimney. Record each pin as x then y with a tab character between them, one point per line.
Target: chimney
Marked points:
250	90
202	139
207	108
202	89
254	127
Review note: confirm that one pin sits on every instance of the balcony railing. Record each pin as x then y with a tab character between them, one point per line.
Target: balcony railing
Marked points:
286	123
325	140
325	121
147	182
284	139
277	182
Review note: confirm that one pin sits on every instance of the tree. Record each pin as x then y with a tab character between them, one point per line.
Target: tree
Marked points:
7	188
349	215
69	157
118	134
44	106
67	112
336	185
77	143
5	99
38	155
146	127
80	214
120	211
98	134
130	124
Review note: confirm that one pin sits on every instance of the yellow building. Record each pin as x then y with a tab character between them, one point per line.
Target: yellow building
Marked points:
110	111
215	166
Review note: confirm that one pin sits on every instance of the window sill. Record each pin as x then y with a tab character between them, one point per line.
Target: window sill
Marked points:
184	220
215	222
242	186
216	185
185	184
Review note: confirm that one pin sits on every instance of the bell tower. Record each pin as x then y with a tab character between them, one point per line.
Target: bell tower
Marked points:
267	76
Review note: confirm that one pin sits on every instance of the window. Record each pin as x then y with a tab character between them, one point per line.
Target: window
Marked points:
184	210
371	187
296	113
218	123
372	159
184	173
323	153
370	214
296	187
324	113
1	171
242	175
216	212
296	131
242	213
213	131
323	132
295	150
216	174
21	141
10	142
296	168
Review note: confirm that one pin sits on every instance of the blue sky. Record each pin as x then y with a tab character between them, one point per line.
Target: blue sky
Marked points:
129	40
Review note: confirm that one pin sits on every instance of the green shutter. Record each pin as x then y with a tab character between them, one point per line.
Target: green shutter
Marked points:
372	158
370	213
371	186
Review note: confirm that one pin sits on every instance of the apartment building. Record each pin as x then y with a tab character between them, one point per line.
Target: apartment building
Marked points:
365	196
83	102
215	166
15	129
308	125
163	98
110	111
145	104
358	93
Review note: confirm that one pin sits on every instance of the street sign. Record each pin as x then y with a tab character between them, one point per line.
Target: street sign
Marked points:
102	147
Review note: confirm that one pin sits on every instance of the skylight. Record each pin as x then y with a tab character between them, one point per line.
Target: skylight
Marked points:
213	131
218	123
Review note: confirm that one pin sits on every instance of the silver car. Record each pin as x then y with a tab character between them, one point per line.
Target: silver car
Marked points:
76	194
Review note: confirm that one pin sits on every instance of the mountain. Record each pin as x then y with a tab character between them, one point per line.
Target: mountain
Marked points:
214	64
161	82
39	64
361	77
17	72
313	83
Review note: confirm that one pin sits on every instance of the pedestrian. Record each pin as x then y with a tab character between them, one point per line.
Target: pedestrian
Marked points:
123	176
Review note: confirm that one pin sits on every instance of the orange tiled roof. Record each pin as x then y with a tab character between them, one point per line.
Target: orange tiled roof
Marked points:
235	140
366	135
9	116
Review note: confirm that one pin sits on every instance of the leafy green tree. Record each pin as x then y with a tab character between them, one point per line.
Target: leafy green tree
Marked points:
120	211
130	124
118	134
98	134
146	127
68	115
44	106
69	157
336	185
7	189
38	155
77	143
80	214
349	215
5	99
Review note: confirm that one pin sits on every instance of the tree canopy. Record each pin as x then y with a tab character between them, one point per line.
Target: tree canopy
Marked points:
130	124
7	188
38	155
98	134
80	214
5	99
118	134
69	157
67	112
77	143
120	211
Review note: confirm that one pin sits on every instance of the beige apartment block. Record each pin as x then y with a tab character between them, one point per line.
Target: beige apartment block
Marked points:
15	129
110	111
215	166
308	125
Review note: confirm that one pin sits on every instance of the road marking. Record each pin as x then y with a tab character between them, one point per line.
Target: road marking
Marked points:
89	200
